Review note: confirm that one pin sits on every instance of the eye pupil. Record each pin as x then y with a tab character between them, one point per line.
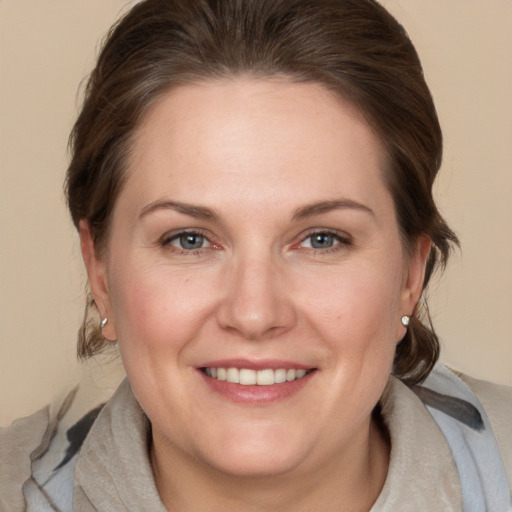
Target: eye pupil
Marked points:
191	241
322	240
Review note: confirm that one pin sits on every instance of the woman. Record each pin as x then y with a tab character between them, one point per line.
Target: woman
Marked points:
252	186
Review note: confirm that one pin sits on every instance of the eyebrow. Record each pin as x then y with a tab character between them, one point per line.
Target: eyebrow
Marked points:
202	212
199	212
326	206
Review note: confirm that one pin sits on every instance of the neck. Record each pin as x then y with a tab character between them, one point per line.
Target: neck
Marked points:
350	480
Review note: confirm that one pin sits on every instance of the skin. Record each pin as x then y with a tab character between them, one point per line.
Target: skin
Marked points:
255	153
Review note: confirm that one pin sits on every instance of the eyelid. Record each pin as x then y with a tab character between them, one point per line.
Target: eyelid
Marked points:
176	241
342	237
166	239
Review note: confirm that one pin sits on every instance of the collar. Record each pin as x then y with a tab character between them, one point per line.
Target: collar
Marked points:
422	474
113	471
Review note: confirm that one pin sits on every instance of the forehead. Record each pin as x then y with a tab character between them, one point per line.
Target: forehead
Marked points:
266	136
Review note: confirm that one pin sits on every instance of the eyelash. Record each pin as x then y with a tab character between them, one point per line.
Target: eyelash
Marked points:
342	239
343	242
167	239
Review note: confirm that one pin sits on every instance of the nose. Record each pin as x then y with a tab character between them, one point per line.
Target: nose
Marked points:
256	302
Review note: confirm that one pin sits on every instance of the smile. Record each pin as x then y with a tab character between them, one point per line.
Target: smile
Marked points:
248	377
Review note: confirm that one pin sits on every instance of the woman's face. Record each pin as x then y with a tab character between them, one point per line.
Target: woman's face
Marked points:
255	240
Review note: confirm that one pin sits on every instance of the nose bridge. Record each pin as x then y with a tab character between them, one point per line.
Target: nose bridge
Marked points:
256	303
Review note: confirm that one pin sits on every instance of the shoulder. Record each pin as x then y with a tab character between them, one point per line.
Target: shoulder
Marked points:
471	423
38	453
18	443
497	403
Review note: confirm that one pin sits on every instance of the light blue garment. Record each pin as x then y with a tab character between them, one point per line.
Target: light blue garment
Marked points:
466	427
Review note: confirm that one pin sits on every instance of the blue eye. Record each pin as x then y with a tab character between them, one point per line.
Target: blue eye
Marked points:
189	241
324	240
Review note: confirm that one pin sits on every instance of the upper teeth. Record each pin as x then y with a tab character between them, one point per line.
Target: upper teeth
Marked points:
249	377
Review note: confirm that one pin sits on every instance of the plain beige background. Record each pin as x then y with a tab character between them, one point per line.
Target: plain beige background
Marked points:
48	46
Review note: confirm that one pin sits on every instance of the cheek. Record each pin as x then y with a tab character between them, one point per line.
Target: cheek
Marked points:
156	307
358	310
352	297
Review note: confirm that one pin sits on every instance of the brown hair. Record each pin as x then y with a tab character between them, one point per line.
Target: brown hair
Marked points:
353	47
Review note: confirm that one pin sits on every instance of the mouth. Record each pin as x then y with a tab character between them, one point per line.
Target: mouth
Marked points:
250	377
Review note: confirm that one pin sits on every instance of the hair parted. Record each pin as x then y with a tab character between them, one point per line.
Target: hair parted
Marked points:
354	48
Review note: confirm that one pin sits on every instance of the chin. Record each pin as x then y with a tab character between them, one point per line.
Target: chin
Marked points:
261	465
257	456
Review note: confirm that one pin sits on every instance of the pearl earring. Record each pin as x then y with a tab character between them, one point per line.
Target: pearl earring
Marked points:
405	320
103	323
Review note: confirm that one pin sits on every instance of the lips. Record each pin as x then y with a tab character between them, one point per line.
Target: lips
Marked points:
252	377
255	383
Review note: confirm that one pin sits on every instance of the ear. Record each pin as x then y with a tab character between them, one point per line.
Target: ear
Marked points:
413	281
97	276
